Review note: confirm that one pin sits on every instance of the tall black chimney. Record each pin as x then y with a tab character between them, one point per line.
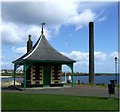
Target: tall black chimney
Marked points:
29	43
91	53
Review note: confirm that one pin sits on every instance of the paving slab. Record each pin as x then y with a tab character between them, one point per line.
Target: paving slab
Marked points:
77	90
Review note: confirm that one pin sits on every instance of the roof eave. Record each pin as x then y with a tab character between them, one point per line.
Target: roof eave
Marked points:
51	61
20	62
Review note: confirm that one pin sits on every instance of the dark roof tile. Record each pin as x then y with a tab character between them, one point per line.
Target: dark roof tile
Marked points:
43	51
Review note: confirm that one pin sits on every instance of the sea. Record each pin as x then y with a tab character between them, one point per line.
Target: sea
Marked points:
98	79
82	79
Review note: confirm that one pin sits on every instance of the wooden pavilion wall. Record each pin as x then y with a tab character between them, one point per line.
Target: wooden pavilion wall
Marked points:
35	75
56	74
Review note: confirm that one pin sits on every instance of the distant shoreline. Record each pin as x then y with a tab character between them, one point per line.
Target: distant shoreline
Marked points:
63	74
5	76
87	74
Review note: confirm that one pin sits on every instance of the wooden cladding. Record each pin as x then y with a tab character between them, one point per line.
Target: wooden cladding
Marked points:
56	74
35	74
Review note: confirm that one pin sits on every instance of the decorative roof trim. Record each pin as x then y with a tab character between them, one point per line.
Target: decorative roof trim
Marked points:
34	48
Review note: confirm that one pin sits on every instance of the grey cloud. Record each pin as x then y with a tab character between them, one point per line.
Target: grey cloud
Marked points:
54	14
33	13
20	13
26	17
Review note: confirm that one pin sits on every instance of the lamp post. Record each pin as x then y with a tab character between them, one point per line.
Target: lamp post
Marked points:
115	69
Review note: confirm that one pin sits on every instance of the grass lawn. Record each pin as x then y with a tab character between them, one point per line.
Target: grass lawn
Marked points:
27	101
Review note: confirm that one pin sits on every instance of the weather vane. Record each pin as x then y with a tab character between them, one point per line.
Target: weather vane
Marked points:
42	27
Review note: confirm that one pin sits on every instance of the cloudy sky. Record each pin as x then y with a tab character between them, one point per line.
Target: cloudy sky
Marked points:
66	29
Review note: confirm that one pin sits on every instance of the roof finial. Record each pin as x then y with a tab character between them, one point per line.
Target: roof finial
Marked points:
42	27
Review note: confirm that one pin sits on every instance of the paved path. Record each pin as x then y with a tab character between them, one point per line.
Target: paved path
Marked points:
77	90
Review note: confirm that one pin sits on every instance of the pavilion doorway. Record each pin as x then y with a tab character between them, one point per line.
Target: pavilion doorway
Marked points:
46	77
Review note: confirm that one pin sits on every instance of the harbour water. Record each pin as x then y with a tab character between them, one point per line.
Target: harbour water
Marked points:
83	79
98	79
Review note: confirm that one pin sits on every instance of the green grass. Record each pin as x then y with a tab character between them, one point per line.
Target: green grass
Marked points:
27	101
